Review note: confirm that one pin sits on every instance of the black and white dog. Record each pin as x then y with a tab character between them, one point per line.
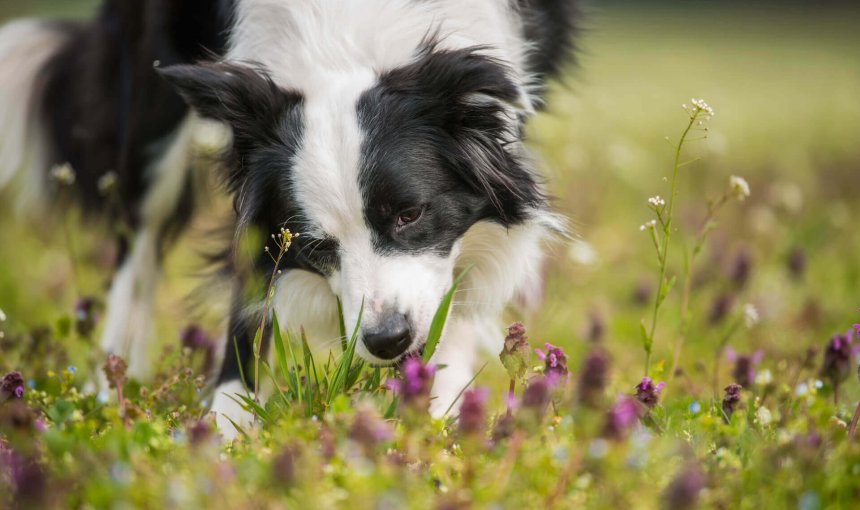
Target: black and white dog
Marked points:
388	133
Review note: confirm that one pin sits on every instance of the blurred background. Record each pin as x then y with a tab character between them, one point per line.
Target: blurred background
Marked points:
783	78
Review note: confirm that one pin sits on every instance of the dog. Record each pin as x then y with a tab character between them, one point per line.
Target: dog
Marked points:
387	133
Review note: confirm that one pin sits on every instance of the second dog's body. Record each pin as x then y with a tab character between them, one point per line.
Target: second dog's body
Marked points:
387	133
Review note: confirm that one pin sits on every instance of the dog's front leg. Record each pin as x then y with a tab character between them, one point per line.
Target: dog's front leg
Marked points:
458	352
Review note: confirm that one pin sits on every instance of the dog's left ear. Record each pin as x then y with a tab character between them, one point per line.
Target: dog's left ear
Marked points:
241	96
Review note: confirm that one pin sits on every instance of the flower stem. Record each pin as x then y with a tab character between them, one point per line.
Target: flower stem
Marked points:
663	252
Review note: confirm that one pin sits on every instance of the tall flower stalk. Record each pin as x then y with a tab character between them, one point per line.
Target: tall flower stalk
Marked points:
698	112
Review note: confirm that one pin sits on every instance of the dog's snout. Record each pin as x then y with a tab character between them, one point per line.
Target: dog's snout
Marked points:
390	338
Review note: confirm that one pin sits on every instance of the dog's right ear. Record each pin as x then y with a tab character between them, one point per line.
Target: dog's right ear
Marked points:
242	96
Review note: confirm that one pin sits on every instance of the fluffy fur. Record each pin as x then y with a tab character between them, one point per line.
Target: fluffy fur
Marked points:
388	133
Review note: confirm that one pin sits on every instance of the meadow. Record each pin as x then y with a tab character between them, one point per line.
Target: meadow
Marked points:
760	288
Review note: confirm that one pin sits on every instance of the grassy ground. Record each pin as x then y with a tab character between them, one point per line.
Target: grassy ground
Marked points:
783	83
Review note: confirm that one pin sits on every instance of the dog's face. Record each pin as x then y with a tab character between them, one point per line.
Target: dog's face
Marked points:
380	174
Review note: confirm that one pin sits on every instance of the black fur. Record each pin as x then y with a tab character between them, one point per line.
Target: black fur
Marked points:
437	138
106	106
551	25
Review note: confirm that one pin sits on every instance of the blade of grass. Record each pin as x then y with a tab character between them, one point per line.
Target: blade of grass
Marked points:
345	363
464	389
441	317
342	325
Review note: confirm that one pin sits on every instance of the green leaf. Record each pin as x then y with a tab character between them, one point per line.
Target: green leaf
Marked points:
441	317
646	338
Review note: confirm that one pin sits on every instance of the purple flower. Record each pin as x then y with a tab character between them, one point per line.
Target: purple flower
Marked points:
555	362
593	377
368	429
741	267
193	337
731	400
199	432
503	428
12	386
683	492
472	419
414	385
720	308
536	395
837	359
114	369
648	393
596	327
86	316
621	418
284	467
744	370
515	354
797	263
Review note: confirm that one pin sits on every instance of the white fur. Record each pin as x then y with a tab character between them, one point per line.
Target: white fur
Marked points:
128	323
226	408
25	47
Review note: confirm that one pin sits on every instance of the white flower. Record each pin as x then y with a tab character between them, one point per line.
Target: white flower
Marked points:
107	182
739	187
764	377
656	201
64	174
750	315
700	104
648	225
2	316
763	416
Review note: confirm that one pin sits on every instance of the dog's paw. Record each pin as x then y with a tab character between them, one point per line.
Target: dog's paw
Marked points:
229	413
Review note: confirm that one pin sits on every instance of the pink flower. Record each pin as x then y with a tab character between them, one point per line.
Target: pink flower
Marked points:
413	387
621	418
555	362
12	386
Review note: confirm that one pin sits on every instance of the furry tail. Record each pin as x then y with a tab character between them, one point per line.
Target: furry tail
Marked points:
26	48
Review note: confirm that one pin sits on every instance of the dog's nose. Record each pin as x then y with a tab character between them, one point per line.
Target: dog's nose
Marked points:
390	338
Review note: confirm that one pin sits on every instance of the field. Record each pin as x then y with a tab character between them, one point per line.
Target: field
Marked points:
777	278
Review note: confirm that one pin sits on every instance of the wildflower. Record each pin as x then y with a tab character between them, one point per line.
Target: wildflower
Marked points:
536	395
744	371
2	316
555	362
114	369
63	174
472	412
797	263
12	386
515	354
837	360
751	316
85	316
107	183
648	393
368	429
720	308
621	418
683	492
739	187
503	429
764	378
656	202
648	225
731	400
193	337
284	467
414	386
741	267
700	106
199	432
596	327
593	377
763	416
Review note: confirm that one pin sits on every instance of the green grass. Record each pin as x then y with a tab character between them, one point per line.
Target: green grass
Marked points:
783	82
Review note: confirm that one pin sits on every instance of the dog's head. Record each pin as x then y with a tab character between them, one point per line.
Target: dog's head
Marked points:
381	174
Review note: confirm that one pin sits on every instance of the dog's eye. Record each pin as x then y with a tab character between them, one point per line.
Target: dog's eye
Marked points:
408	216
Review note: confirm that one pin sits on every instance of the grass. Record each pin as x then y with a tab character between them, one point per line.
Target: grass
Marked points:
783	83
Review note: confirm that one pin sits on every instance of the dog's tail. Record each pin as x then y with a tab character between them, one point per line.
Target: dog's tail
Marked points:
26	50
